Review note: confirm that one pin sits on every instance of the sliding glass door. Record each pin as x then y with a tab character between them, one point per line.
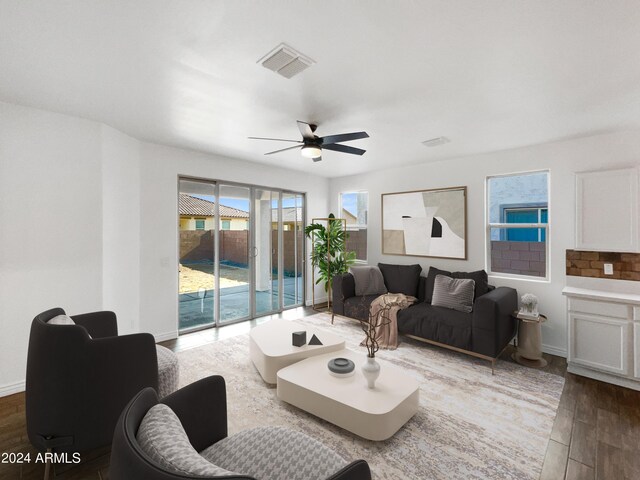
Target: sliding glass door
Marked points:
293	248
266	251
234	269
196	230
240	257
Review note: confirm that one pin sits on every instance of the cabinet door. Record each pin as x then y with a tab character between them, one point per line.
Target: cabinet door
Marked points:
636	350
607	210
599	342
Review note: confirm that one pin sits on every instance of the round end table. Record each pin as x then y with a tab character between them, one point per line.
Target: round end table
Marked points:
529	351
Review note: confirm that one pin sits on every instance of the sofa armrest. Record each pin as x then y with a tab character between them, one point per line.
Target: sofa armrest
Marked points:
98	324
344	286
358	470
202	409
492	323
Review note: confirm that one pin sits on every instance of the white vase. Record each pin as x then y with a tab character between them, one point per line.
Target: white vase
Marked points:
371	371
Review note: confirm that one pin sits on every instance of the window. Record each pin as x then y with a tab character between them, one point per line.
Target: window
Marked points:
354	207
199	224
226	225
518	225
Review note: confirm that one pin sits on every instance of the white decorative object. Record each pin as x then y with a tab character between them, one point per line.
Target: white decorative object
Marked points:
529	305
270	346
372	414
604	335
607	211
371	371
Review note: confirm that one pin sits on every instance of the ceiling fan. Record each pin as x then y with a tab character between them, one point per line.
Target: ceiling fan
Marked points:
311	145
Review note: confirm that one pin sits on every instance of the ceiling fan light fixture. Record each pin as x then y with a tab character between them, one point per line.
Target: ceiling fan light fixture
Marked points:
311	151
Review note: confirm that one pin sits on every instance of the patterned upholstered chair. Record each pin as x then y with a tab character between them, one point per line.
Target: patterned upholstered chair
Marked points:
81	374
185	437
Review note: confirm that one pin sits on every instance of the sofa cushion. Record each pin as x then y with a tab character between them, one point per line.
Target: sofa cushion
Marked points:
401	278
453	293
358	307
368	280
162	437
436	323
275	453
479	277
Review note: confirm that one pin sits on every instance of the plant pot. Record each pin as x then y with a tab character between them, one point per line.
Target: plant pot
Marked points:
371	371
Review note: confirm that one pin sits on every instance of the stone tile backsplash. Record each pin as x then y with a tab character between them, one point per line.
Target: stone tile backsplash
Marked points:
626	266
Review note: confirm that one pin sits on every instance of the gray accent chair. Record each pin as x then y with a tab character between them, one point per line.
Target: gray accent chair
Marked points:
201	408
80	377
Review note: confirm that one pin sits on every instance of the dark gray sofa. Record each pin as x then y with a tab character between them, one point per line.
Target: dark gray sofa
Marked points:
484	333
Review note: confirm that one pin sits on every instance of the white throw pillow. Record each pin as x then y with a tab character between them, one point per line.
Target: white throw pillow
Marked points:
61	320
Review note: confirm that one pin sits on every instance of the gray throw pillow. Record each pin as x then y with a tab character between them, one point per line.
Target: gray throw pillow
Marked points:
162	437
453	293
368	280
480	277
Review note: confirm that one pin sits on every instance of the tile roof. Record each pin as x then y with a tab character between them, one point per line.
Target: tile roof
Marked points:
197	206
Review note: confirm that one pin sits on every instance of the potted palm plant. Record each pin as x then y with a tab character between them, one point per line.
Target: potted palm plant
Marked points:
329	255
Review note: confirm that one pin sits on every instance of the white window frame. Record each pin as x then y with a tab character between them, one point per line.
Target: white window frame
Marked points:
357	226
204	223
545	226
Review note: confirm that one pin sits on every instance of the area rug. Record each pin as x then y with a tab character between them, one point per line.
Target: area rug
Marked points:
471	424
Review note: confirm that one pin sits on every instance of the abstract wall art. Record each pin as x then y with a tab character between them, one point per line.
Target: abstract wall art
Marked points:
425	223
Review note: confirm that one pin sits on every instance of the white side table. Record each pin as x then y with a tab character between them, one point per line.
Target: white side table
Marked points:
529	351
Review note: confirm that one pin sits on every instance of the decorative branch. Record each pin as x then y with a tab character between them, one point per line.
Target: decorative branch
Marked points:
371	326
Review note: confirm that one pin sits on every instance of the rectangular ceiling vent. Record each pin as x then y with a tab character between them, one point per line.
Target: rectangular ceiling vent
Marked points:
286	61
434	142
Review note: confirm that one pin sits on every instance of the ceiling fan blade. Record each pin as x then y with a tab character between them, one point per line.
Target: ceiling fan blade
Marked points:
317	159
344	137
305	130
343	148
276	139
283	150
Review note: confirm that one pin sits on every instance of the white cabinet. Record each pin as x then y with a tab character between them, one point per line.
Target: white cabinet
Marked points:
604	336
607	210
599	342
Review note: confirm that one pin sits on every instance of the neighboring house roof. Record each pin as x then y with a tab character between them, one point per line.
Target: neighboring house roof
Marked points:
349	216
289	214
197	206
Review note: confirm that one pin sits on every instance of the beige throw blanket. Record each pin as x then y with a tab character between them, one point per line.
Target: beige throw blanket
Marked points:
383	313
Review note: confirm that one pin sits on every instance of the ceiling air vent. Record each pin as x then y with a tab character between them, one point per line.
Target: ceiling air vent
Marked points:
286	61
434	142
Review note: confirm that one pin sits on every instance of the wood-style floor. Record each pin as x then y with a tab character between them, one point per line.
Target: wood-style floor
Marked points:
596	435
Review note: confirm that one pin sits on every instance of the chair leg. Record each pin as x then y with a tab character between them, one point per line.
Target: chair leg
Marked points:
332	316
493	367
47	464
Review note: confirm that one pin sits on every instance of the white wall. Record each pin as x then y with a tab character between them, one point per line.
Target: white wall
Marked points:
121	227
88	221
158	240
561	158
50	225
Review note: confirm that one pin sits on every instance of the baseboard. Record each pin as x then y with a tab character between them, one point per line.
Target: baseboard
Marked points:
559	352
603	377
319	301
11	388
163	337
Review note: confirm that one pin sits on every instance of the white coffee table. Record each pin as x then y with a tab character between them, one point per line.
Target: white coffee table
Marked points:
347	402
270	346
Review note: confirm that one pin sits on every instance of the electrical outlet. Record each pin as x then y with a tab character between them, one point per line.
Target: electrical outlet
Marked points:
608	268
